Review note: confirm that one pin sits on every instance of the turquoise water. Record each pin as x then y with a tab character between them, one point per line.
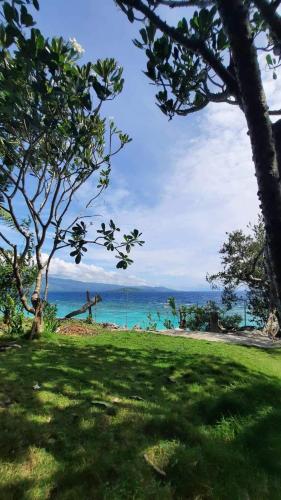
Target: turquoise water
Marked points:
130	308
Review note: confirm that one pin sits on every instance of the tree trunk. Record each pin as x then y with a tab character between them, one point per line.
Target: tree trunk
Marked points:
235	20
37	303
37	324
214	323
90	316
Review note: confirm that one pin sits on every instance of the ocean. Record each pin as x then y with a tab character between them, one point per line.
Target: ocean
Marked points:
129	308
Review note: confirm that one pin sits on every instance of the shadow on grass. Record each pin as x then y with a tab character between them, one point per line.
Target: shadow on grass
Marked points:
211	424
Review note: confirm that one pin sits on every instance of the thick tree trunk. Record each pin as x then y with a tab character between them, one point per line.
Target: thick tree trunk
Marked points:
235	20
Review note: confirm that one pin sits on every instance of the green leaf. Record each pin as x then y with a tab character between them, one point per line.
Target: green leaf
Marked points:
10	12
143	34
221	40
36	4
137	44
26	18
151	30
269	60
78	259
130	15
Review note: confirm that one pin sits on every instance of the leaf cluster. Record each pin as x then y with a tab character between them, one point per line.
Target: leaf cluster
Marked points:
191	62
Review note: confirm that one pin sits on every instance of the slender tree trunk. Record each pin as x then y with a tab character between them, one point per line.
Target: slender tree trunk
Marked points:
235	20
37	303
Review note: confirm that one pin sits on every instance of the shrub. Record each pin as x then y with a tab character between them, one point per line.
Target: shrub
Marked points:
196	317
51	322
15	317
231	321
168	324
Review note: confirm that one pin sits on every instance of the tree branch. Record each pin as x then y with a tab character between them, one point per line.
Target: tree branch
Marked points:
270	15
195	45
94	301
185	3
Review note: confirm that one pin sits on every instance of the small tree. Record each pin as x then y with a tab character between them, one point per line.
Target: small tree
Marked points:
214	55
244	266
53	140
207	317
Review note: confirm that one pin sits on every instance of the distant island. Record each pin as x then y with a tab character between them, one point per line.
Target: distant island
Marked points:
68	285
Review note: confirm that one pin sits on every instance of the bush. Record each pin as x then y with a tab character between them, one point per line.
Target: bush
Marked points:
51	322
197	317
168	324
231	321
200	318
14	317
152	322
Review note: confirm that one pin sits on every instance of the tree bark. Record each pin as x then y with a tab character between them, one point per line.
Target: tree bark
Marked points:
37	303
94	301
38	323
235	20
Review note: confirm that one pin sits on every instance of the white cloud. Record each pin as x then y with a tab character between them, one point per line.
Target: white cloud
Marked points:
90	273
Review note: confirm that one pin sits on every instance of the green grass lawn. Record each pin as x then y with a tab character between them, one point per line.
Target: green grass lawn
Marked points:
206	414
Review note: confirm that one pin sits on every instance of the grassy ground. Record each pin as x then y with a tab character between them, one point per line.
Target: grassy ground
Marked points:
206	415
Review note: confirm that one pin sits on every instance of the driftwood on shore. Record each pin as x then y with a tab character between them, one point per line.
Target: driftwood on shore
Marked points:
90	303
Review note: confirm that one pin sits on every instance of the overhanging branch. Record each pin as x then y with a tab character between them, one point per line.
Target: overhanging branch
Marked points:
270	16
195	45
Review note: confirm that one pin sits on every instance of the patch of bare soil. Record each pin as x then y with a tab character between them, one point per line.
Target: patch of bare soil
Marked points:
77	328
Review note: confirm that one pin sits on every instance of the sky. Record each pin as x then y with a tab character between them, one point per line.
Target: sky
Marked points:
184	183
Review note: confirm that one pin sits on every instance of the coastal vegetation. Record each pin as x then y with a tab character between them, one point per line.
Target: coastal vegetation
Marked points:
244	275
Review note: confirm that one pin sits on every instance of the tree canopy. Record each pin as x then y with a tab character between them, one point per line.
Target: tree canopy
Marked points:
53	139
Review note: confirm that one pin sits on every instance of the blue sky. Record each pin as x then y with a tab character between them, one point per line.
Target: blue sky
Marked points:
184	183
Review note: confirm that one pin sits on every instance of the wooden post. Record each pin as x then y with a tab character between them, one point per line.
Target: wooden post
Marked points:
90	316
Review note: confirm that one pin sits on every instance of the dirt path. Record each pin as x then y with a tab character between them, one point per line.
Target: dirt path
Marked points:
241	338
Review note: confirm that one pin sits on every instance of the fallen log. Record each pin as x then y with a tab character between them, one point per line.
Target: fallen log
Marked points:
92	302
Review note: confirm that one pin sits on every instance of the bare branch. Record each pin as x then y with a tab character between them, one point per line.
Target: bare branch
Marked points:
274	112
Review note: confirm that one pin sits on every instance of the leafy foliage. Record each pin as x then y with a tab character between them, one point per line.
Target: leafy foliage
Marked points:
54	139
191	62
8	288
243	265
50	318
14	317
195	317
